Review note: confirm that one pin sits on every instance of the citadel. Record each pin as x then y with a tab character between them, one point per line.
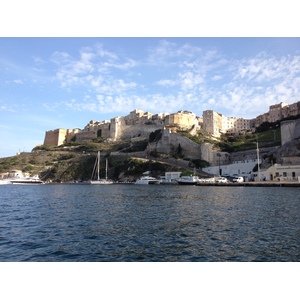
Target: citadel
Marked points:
138	125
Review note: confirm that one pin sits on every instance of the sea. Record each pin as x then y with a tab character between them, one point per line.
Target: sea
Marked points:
149	223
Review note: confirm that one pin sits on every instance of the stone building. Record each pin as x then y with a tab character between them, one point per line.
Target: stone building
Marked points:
212	122
216	124
55	137
139	124
59	136
182	120
276	112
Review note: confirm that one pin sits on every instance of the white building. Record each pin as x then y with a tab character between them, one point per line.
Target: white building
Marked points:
242	168
282	172
171	176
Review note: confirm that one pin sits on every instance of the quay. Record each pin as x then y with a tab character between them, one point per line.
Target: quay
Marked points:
253	184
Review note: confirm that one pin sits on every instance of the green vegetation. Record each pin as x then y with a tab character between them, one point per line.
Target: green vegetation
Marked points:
135	167
201	137
267	135
75	161
199	163
248	141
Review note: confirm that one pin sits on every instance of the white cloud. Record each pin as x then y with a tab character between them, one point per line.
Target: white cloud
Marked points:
216	78
104	53
188	80
167	82
38	60
60	57
199	78
18	81
265	68
128	64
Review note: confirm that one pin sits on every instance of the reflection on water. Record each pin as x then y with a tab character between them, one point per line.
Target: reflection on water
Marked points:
149	223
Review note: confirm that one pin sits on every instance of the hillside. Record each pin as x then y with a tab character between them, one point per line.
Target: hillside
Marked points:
76	161
127	160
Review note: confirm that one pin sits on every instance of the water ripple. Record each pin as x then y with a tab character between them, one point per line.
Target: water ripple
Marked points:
149	223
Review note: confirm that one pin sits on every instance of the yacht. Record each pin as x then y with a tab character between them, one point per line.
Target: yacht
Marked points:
188	180
147	180
26	180
4	181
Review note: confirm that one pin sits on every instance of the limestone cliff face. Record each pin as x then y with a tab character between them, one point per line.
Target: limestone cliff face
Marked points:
173	143
290	130
289	153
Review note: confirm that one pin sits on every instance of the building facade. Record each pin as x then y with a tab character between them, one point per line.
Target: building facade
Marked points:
212	122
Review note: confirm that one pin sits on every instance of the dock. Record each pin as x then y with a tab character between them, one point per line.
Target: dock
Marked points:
254	184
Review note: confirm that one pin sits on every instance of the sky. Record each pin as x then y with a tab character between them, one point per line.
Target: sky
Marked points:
62	66
64	82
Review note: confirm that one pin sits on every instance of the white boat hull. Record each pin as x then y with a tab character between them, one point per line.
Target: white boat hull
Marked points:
188	180
103	181
147	180
27	182
2	182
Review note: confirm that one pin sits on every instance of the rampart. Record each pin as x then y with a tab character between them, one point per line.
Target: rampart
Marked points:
59	136
55	137
133	131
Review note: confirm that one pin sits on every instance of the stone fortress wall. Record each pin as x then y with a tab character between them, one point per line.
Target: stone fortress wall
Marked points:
140	124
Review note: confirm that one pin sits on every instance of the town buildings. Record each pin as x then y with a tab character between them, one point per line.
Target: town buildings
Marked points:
139	124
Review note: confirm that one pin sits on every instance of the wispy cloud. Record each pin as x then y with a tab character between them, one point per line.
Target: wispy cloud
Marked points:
183	77
18	81
167	82
265	68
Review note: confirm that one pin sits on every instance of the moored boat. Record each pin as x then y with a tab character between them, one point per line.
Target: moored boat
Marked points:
147	180
27	180
97	167
188	180
4	181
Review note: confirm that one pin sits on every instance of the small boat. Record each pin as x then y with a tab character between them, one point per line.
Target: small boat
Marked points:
26	180
188	180
147	180
4	181
99	180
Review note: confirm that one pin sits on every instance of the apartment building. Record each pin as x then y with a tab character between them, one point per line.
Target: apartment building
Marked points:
216	123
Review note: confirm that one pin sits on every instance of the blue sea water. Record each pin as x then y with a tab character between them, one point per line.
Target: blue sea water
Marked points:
138	223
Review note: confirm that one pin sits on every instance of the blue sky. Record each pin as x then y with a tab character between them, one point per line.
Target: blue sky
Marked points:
49	83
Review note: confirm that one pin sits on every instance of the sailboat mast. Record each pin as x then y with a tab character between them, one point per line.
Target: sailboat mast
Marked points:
98	165
106	170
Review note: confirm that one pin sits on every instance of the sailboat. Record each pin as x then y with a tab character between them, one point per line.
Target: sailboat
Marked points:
99	180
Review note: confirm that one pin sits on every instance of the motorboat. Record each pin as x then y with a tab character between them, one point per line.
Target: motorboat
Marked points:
26	180
98	180
147	180
188	180
4	181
